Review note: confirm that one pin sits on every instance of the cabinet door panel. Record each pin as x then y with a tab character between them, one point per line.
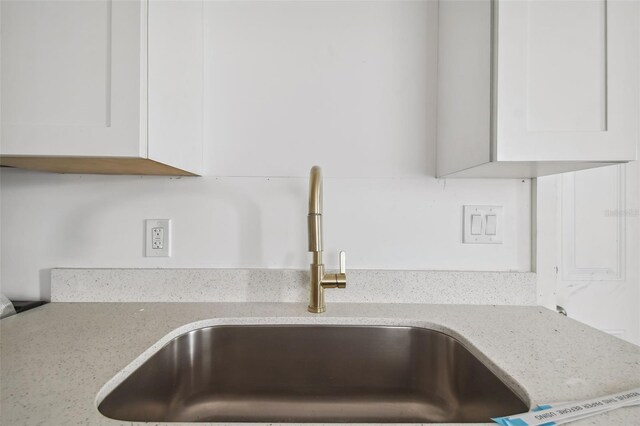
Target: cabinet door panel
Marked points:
567	79
71	78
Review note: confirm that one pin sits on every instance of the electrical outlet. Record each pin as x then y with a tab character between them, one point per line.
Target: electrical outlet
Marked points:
158	238
483	225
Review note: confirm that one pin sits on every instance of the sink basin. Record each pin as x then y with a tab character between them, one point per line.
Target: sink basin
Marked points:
312	374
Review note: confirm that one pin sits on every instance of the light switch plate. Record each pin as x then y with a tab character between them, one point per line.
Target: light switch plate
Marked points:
483	235
158	238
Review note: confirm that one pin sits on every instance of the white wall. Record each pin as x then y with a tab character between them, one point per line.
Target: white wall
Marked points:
346	85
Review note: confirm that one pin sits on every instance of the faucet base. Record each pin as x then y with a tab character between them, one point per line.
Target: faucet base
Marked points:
315	310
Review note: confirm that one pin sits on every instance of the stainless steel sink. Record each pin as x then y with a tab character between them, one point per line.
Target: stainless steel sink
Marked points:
312	374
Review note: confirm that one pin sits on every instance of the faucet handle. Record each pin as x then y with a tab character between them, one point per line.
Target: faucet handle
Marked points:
341	277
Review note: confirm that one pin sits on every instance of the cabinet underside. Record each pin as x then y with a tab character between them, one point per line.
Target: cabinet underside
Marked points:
93	165
523	169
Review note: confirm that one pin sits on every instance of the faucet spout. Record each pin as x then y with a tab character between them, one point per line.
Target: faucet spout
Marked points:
315	190
314	218
319	280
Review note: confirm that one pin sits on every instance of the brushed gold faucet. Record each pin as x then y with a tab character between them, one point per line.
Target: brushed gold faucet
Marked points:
320	280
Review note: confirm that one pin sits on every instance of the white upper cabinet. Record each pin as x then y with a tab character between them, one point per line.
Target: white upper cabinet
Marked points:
102	86
535	87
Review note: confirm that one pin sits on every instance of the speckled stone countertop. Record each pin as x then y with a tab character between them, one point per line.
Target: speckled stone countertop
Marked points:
55	360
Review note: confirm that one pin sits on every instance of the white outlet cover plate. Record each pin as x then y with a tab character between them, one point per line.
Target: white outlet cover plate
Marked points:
165	251
483	237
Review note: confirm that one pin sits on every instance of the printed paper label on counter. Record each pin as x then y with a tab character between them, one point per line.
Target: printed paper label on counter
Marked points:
557	414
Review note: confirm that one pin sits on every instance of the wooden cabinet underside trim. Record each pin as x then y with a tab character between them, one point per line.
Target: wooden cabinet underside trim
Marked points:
93	165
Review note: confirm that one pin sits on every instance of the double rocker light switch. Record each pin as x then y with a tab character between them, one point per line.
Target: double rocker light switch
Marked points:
482	225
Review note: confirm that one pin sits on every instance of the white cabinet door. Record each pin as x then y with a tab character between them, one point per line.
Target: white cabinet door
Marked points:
588	247
567	80
71	78
599	274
